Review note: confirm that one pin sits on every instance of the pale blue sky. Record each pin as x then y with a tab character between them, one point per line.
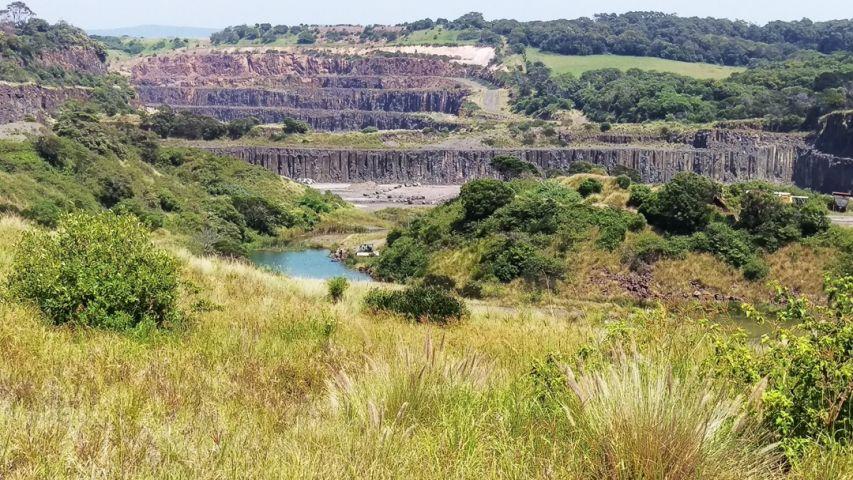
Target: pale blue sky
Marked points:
219	13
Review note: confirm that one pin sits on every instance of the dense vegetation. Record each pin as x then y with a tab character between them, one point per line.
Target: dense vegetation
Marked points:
26	42
98	270
655	34
527	230
222	204
789	95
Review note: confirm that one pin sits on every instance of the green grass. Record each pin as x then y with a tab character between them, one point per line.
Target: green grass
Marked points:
276	378
433	36
578	64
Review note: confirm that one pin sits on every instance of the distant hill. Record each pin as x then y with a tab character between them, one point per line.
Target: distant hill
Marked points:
154	31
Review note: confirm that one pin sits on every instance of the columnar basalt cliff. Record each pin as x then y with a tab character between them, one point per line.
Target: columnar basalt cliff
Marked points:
446	166
442	101
329	92
20	101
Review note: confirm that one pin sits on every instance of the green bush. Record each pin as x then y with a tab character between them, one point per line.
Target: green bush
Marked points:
337	286
624	181
589	186
481	198
683	205
472	289
44	213
508	258
807	371
291	125
50	147
438	281
648	248
418	303
370	129
732	246
755	269
772	223
97	270
405	259
640	194
511	167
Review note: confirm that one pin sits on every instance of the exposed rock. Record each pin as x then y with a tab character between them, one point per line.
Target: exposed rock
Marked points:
434	166
18	101
442	101
80	59
249	67
835	136
327	120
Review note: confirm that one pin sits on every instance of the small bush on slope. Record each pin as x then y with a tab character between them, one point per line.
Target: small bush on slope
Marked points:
418	303
806	374
98	270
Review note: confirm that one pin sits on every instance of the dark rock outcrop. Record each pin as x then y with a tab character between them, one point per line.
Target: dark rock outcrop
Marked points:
835	135
246	68
18	101
330	92
458	166
442	101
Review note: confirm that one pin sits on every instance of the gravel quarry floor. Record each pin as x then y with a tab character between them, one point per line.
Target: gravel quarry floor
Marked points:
371	196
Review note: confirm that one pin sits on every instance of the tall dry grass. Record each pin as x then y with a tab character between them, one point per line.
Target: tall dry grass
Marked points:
268	379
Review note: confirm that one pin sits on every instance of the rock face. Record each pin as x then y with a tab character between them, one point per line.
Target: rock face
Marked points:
442	101
836	134
328	92
80	59
247	68
432	166
327	120
18	101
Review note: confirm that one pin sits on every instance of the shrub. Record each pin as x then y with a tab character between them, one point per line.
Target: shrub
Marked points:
772	223
631	173
804	374
640	194
481	198
419	303
732	246
589	186
648	248
683	205
370	129
510	258
755	269
337	286
438	281
624	181
511	167
49	147
405	259
114	189
472	289
291	125
98	270
44	213
240	127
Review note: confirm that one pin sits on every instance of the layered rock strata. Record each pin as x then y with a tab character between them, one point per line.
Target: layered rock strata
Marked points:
328	92
21	101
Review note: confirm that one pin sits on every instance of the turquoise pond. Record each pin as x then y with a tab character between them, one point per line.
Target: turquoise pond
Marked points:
313	263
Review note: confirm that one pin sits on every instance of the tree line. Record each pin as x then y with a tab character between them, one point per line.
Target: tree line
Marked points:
789	95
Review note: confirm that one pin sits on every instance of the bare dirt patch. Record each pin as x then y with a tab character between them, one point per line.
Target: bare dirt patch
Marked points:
371	196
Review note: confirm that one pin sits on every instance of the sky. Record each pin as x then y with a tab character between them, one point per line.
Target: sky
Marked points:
219	13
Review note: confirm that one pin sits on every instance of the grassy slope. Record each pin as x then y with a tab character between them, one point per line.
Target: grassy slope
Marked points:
598	275
279	380
434	36
577	64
